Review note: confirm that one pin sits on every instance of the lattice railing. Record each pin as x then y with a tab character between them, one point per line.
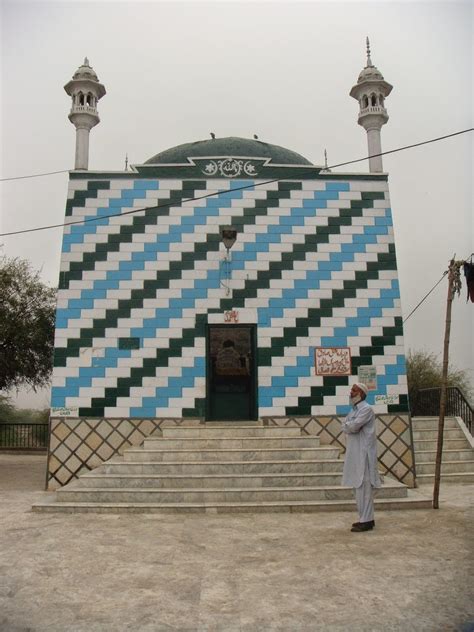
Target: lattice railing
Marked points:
395	445
78	445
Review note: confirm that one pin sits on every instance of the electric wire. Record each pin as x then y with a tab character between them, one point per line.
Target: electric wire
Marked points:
425	297
384	153
132	211
433	288
35	175
249	186
393	151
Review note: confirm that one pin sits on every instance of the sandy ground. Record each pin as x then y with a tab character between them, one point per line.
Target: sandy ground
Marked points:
236	572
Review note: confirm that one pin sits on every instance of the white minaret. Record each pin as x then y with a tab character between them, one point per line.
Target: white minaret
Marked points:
371	90
85	90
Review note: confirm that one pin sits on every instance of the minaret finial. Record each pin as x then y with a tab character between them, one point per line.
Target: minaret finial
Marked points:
369	61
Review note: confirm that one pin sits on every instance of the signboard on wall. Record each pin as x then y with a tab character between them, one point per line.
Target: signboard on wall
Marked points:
231	316
368	376
387	399
332	360
65	411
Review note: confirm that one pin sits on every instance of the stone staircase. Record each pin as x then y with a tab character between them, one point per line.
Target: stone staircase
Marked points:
458	451
222	467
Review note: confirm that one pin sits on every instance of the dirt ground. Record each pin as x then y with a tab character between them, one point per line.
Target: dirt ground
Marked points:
235	572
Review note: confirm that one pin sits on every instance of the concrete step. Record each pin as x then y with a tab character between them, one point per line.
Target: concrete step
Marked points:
431	423
447	467
205	481
220	431
217	495
431	434
420	445
202	443
413	500
262	454
453	477
222	467
425	456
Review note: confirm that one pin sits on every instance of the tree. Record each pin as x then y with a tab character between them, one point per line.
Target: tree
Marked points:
27	313
424	370
7	410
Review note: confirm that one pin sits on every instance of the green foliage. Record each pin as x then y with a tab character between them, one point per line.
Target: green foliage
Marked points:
424	370
27	313
10	414
7	410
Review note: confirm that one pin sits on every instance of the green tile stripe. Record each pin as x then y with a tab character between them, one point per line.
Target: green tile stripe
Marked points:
187	340
152	286
126	232
81	196
188	337
176	345
298	253
319	393
148	369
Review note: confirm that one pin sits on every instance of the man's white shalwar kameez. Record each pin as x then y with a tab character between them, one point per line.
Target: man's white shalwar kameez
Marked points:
360	464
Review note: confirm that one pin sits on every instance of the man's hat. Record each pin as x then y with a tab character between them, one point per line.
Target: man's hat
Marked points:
363	387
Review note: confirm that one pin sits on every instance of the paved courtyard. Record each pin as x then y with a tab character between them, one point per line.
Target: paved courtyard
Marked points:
236	572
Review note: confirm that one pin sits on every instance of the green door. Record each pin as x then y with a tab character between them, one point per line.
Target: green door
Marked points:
231	373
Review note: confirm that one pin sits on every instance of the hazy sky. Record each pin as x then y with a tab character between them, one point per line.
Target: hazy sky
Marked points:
175	71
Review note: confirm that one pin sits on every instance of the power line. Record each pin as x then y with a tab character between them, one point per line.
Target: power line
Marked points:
425	297
433	140
434	286
35	175
393	151
249	186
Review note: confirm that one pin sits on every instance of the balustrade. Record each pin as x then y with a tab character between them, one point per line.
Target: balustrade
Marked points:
426	403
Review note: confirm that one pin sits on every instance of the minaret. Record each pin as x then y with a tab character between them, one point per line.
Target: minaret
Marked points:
85	90
371	90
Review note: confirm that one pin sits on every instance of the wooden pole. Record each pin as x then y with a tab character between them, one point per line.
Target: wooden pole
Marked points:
444	381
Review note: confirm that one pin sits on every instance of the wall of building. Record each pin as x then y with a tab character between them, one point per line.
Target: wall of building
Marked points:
313	266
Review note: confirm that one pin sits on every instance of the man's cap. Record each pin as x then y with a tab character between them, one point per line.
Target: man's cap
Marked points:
363	387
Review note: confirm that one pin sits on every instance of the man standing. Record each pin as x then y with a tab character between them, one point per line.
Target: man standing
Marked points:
360	464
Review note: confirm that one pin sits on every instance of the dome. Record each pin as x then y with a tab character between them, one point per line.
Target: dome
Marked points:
85	72
370	73
230	147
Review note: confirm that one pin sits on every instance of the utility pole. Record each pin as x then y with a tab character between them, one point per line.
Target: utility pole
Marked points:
454	285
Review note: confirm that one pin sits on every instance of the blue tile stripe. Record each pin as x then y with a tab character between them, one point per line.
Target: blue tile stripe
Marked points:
163	244
115	205
338	339
251	249
188	297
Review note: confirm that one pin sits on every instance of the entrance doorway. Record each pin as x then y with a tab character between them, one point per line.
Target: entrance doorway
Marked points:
231	373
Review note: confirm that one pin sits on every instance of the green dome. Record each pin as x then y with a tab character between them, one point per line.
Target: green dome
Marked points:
231	147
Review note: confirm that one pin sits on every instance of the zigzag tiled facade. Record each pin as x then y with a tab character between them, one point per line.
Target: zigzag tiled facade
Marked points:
313	266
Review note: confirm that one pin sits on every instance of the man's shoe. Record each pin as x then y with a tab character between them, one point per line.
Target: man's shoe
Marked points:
356	524
363	526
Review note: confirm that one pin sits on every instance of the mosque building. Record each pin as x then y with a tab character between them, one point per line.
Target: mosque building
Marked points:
225	279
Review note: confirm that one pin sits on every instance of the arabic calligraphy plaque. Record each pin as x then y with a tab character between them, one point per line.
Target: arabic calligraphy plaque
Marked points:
332	360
